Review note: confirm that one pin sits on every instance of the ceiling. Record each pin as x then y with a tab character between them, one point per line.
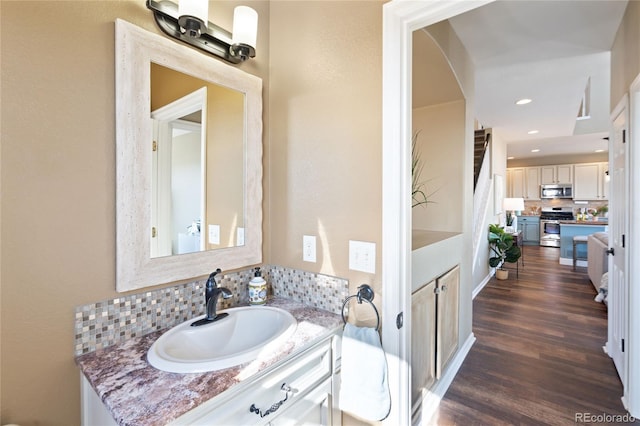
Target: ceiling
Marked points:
548	51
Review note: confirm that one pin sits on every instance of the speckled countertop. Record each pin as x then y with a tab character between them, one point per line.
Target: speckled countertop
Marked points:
138	394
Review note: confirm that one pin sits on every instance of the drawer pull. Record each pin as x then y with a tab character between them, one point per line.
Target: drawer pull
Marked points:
287	390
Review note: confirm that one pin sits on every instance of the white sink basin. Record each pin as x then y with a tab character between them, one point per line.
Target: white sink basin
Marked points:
236	339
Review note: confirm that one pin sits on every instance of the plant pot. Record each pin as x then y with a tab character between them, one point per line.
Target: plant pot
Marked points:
502	274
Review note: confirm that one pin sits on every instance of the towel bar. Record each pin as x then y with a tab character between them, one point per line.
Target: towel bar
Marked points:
365	292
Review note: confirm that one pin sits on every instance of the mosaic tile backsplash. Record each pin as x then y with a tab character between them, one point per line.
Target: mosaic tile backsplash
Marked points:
105	323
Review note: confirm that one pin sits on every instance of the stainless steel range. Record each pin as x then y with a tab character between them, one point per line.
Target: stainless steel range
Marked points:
550	218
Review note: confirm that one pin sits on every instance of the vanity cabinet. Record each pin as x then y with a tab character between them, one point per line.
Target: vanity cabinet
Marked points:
309	377
300	390
434	311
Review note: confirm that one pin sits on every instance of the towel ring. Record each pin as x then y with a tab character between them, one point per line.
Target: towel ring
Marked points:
365	292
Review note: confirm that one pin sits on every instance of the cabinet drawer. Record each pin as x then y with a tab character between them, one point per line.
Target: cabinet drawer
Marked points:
302	375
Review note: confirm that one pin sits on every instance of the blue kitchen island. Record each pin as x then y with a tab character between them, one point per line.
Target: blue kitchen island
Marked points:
572	228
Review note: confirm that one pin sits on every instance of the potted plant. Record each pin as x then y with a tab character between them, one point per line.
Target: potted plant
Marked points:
418	195
602	211
503	249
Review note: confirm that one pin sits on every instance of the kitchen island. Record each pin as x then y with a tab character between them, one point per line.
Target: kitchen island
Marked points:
572	228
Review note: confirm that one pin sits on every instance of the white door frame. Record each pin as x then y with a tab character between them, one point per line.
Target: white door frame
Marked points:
400	20
632	390
161	164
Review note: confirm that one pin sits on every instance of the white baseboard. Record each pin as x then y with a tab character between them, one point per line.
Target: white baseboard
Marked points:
423	412
484	282
569	262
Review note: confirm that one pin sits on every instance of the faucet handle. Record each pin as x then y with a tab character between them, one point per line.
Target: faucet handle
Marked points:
225	292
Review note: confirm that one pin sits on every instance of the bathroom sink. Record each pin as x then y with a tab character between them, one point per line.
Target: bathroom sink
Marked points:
238	338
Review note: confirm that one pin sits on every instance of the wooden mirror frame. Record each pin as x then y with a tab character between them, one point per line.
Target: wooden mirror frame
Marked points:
135	49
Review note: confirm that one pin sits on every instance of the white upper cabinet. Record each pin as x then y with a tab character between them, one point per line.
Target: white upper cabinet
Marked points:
590	181
556	174
532	188
523	182
516	183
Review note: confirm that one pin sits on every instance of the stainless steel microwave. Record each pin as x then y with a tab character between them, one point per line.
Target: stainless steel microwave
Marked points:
556	191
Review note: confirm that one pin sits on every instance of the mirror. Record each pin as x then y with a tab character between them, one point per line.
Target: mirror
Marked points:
198	164
217	202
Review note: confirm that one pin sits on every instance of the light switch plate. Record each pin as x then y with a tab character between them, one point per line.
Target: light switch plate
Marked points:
309	248
240	237
214	234
362	256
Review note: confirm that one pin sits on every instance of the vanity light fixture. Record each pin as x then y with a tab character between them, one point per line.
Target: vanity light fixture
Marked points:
188	22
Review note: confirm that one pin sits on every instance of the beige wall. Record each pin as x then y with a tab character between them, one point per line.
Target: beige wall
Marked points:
625	53
325	167
322	166
58	188
441	146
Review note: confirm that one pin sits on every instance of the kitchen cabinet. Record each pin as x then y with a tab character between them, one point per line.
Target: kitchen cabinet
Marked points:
300	390
556	174
532	187
434	329
516	182
530	228
523	182
590	181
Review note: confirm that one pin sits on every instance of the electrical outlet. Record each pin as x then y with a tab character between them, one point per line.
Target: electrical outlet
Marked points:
362	256
214	234
309	248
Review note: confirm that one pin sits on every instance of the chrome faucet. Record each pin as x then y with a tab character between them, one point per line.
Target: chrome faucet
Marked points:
211	294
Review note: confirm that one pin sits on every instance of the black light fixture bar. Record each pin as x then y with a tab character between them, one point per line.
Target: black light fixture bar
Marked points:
213	39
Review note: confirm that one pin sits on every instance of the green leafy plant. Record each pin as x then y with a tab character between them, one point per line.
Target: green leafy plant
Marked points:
602	210
503	247
418	195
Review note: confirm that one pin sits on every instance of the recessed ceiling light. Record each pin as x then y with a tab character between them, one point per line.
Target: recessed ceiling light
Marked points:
523	101
535	150
599	150
510	158
532	132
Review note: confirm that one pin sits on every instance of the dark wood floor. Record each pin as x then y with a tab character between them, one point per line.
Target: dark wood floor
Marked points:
538	358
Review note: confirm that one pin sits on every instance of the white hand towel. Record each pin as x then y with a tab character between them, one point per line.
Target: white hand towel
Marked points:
364	389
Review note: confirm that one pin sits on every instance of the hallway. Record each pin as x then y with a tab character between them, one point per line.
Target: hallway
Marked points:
538	358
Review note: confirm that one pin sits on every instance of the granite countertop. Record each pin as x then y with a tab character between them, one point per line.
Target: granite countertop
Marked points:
584	222
135	393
